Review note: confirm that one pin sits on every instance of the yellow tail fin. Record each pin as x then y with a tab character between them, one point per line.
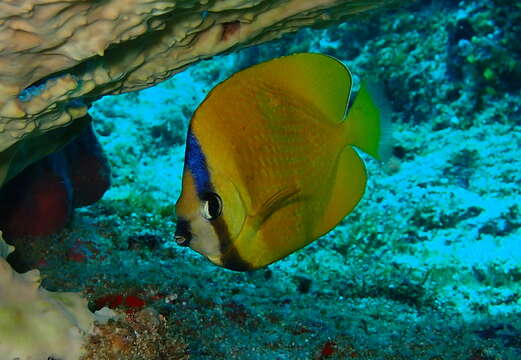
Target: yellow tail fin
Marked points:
368	124
367	127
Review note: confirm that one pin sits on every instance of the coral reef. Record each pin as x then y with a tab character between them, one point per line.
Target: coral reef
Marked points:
36	323
142	335
56	57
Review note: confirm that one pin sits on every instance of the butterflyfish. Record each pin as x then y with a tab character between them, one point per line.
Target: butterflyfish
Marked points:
270	164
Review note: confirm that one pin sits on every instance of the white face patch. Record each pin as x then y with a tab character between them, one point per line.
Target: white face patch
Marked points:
200	234
204	239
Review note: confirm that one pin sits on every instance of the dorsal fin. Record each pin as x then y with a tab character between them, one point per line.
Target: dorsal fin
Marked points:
318	79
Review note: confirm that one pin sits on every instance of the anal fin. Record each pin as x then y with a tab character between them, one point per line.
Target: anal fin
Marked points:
348	188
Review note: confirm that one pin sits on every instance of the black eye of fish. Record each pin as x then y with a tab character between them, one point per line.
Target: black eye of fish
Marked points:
212	206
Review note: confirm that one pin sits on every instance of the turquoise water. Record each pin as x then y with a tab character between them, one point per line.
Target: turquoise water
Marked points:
428	265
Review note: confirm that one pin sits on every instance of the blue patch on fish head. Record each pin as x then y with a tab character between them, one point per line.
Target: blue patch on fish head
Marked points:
195	162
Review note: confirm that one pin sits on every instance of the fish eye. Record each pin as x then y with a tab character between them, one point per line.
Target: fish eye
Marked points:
212	206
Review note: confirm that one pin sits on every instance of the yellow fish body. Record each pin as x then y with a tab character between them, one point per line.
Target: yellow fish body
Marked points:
269	164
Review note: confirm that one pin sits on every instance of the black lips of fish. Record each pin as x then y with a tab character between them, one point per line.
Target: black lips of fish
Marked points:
183	234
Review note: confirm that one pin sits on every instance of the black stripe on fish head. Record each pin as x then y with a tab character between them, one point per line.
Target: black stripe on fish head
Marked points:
183	235
195	161
230	257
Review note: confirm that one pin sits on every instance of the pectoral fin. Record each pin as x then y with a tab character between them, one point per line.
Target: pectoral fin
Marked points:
277	201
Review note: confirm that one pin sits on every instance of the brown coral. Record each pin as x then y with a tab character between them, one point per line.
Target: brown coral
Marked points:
57	56
138	336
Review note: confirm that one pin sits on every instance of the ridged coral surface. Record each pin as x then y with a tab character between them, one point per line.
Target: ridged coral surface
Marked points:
36	324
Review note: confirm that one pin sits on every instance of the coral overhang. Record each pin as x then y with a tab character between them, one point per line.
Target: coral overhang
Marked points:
56	57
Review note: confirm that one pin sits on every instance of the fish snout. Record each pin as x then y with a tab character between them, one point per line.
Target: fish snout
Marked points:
183	234
181	240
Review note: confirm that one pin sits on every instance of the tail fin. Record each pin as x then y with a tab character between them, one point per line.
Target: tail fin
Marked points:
368	123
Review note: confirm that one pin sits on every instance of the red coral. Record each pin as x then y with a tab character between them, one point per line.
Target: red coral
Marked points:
328	349
39	201
113	301
134	302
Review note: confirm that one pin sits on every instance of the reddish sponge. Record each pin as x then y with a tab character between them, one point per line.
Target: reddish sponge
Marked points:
40	200
35	203
90	180
88	169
